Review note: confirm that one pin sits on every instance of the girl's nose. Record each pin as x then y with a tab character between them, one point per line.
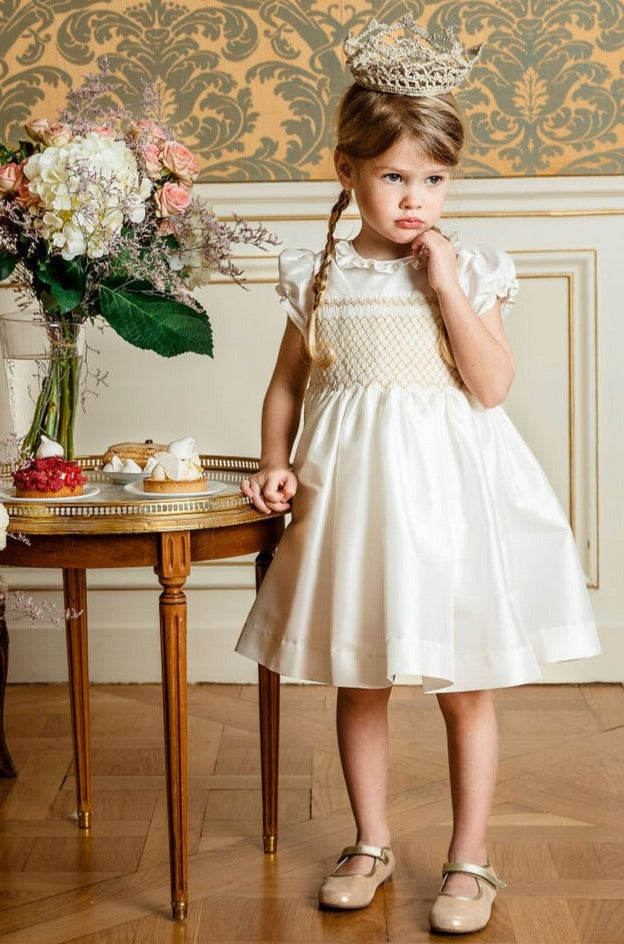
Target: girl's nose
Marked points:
412	198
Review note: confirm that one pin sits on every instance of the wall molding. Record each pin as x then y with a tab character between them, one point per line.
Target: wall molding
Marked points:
578	267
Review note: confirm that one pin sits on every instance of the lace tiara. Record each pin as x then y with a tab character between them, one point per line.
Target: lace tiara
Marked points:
415	63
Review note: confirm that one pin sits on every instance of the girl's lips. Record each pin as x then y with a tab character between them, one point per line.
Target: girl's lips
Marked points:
409	223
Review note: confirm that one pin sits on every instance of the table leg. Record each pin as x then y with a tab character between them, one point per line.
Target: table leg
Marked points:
269	698
173	568
6	764
75	595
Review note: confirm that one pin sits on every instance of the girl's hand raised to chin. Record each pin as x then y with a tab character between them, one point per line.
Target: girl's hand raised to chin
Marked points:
270	489
435	253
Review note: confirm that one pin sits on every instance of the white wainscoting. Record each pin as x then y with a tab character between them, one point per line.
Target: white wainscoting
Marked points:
566	236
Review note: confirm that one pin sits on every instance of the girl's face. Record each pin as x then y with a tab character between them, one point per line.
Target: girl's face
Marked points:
400	195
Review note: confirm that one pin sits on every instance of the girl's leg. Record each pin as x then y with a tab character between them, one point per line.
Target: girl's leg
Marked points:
472	739
362	726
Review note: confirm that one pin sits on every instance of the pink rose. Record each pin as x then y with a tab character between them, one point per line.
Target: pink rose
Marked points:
171	200
153	163
144	128
10	178
165	227
104	131
25	197
178	159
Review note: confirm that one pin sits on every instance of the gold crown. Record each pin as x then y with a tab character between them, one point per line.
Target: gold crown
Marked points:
414	63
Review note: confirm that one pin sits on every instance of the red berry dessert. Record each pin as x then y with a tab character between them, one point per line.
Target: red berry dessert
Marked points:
49	478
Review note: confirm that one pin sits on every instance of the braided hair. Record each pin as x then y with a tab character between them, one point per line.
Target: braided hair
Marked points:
322	354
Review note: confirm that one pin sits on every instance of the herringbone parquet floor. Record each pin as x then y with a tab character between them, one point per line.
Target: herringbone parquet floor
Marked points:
557	828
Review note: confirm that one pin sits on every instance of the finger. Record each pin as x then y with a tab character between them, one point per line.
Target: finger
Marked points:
258	498
274	487
290	488
278	505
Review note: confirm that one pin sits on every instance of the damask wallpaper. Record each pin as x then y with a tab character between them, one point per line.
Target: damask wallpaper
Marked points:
252	85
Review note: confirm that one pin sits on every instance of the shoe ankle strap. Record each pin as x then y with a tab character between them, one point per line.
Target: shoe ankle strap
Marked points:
480	871
376	852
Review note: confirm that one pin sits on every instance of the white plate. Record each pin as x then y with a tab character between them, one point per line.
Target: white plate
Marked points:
89	492
123	478
212	488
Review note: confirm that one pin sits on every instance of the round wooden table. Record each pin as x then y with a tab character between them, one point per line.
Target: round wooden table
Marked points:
116	529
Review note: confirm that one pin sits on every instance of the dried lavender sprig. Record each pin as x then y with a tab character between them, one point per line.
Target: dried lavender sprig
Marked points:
24	605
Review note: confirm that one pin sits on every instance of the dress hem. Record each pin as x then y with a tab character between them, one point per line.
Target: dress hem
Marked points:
503	669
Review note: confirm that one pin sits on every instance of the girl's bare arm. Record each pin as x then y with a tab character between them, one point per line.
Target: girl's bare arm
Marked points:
480	347
272	487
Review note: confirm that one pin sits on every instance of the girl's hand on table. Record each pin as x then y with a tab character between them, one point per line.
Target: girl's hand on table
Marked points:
270	489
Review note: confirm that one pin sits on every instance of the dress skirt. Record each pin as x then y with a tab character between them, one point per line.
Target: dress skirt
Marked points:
425	542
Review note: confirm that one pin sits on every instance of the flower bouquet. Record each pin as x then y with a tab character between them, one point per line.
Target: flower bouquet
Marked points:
98	220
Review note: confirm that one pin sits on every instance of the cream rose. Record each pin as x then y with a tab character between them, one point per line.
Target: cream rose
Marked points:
49	133
171	200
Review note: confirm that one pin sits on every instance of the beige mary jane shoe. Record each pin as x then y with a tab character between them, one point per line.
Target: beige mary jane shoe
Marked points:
357	891
454	914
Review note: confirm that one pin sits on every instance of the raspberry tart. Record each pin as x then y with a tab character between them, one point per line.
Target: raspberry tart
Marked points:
51	477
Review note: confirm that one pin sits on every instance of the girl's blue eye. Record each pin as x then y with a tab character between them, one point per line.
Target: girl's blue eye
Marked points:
435	179
393	178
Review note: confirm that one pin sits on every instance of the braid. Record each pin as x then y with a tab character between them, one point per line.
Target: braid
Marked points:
444	347
323	355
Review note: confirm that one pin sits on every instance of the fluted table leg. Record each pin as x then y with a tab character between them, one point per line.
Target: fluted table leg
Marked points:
269	698
173	568
75	594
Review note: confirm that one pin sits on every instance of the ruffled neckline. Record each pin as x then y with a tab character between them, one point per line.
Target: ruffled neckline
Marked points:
347	257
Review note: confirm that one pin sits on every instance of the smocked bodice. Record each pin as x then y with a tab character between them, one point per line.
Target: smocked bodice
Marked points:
384	341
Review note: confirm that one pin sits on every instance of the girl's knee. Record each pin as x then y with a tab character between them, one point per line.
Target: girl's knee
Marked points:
361	697
460	704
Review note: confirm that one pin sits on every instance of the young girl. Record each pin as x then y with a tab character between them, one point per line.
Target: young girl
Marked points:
425	540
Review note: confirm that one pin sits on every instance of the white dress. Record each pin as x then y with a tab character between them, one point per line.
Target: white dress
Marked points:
425	538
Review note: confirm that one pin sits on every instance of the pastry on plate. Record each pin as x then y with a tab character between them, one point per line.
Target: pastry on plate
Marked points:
49	474
178	470
131	456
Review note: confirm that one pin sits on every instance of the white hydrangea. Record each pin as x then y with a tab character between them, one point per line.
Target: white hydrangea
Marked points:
87	188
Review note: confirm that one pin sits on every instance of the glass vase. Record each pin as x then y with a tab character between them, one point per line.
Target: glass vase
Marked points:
42	366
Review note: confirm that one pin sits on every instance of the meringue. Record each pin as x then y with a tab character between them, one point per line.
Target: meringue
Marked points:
180	462
49	448
114	465
129	465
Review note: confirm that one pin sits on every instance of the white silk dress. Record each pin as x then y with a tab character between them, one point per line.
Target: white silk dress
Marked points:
425	541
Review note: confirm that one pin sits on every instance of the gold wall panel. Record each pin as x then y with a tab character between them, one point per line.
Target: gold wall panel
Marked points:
252	85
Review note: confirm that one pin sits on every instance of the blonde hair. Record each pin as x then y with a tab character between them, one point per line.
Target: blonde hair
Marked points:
369	123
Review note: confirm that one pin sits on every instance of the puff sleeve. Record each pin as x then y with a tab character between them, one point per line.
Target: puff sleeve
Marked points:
485	275
296	272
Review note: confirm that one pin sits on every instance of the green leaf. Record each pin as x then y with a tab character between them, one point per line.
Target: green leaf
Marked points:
64	280
7	263
154	322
